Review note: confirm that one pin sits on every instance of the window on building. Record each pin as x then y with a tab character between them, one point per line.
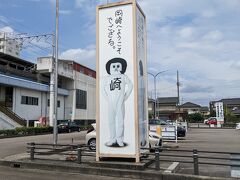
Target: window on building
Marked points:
58	103
81	99
81	70
29	100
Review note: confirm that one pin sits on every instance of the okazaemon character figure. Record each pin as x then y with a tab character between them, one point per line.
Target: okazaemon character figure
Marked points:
141	106
117	87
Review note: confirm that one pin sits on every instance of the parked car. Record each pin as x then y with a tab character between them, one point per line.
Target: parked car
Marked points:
68	127
238	125
205	121
91	137
155	140
181	131
212	121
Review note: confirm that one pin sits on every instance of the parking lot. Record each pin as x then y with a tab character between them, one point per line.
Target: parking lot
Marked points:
202	139
209	139
212	139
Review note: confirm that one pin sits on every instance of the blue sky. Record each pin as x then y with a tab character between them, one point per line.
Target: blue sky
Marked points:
199	38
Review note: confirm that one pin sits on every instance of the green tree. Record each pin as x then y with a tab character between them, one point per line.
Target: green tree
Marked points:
229	116
196	117
150	115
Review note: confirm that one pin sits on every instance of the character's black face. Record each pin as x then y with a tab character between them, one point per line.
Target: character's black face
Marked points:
115	68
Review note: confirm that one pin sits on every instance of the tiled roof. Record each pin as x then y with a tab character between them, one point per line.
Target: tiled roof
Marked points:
166	100
231	101
190	105
204	108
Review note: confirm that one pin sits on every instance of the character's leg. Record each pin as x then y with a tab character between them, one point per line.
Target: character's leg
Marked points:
120	123
111	125
142	125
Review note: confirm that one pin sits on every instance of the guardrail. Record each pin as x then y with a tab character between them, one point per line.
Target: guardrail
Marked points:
196	158
205	126
76	152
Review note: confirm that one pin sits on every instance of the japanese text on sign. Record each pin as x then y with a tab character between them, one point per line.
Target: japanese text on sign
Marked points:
115	84
115	31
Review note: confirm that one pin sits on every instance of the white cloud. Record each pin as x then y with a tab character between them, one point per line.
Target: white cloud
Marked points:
65	12
7	29
186	32
3	19
80	3
208	13
200	39
84	56
213	35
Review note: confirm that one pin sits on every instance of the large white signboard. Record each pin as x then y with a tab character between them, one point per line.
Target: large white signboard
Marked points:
121	81
142	82
219	112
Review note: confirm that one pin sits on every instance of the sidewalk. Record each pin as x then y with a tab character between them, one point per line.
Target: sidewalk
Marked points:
59	163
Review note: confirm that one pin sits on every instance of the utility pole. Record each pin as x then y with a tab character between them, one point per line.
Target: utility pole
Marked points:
178	84
54	71
178	104
55	130
51	87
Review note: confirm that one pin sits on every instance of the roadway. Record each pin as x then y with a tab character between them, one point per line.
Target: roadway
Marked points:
202	139
8	173
12	146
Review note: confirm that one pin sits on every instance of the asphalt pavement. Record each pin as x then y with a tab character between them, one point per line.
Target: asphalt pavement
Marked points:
208	139
8	173
12	146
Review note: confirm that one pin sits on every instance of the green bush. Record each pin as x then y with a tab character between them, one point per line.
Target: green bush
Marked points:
196	117
230	125
22	131
8	132
26	131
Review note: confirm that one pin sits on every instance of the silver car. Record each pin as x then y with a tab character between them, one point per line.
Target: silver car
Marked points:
238	125
155	140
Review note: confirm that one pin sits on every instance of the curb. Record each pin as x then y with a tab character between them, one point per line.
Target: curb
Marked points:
123	173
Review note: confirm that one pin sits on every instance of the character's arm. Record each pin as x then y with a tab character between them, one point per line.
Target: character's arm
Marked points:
104	88
129	88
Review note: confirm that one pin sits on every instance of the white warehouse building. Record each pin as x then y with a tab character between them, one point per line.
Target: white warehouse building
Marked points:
24	91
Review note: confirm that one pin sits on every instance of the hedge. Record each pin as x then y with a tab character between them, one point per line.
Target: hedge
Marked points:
24	131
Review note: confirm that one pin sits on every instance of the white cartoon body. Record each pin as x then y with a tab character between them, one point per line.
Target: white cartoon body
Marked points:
141	106
141	113
116	88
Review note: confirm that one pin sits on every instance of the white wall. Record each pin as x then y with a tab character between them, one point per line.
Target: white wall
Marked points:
33	112
88	84
28	112
61	109
69	105
7	123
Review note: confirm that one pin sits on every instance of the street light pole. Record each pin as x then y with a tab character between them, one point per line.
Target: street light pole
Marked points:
155	90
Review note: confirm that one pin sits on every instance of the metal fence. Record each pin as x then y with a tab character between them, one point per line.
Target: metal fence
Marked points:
76	152
195	158
73	152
